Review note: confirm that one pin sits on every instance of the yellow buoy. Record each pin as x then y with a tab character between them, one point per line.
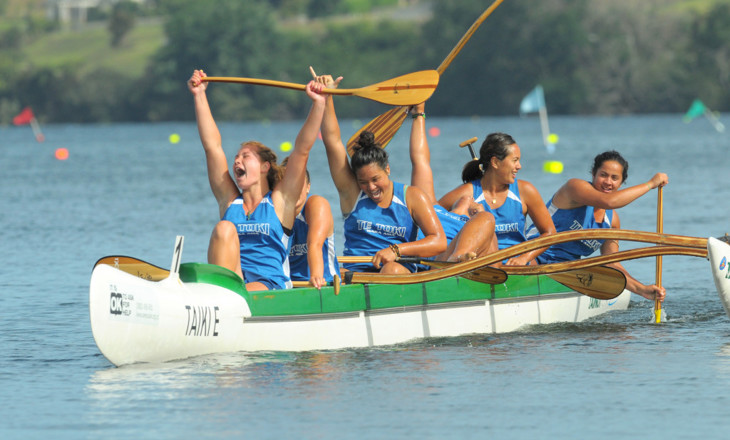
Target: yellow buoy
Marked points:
552	166
174	138
553	138
285	146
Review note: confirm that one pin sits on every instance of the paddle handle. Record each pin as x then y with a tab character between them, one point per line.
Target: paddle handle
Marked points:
467	143
273	83
660	230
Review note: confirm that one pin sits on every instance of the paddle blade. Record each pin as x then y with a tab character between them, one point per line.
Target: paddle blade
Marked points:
598	282
135	267
384	127
487	275
410	89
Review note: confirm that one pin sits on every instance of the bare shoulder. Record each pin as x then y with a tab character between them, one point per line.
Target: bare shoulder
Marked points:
317	205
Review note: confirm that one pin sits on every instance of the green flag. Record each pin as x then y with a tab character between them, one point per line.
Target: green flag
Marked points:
696	109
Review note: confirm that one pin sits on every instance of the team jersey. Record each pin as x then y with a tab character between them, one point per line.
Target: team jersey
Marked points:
298	265
509	219
264	243
574	219
370	228
452	223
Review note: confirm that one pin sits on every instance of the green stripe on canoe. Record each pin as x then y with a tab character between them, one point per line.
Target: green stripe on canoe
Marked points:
356	297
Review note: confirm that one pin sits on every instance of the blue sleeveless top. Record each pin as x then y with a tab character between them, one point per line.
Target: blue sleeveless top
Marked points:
264	244
509	219
370	228
571	220
452	223
298	265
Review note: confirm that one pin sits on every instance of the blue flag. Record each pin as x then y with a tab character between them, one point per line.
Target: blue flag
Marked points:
533	102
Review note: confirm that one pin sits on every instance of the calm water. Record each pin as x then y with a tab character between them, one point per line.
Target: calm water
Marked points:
125	189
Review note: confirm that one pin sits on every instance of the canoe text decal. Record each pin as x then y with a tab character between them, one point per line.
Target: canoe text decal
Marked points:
132	307
119	304
202	321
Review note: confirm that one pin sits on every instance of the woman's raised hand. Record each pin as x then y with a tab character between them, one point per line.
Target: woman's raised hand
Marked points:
196	83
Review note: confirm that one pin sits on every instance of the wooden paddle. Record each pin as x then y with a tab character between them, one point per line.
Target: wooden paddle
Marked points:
467	143
489	275
409	89
386	125
596	282
458	269
659	229
136	267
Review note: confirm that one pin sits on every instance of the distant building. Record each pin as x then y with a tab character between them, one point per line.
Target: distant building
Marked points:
75	11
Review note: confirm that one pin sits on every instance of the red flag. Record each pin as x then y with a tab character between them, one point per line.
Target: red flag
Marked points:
24	117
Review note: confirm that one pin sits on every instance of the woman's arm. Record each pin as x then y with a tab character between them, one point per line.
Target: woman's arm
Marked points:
421	172
223	187
342	174
577	192
287	192
648	291
321	225
450	198
536	209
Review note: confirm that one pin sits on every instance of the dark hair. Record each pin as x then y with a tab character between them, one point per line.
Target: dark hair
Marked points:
266	154
611	155
495	145
367	151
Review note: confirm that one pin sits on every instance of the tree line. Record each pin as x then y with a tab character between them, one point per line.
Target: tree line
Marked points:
590	56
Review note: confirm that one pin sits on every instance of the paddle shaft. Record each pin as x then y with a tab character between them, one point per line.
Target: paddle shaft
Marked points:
659	230
385	126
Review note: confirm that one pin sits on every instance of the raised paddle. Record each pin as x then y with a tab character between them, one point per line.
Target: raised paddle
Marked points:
409	89
386	125
658	312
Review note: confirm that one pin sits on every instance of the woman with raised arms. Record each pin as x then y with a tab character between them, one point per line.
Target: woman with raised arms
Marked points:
257	204
468	227
492	182
382	217
581	204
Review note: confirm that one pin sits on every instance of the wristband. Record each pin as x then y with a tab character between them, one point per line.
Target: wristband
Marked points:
396	251
415	115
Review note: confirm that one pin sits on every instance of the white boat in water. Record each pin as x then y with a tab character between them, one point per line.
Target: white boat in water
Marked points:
143	313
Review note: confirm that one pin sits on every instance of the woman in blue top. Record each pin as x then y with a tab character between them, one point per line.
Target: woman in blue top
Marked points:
382	217
256	204
312	254
468	227
580	204
492	181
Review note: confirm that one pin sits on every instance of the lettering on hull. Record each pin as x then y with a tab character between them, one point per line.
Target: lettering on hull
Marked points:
202	321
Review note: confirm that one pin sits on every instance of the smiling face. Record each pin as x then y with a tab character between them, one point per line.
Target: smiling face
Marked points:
508	167
375	182
248	169
608	177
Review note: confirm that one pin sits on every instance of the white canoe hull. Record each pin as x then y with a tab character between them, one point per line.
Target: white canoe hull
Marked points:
718	253
135	320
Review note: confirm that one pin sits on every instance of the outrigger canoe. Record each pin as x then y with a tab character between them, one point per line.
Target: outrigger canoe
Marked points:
143	313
